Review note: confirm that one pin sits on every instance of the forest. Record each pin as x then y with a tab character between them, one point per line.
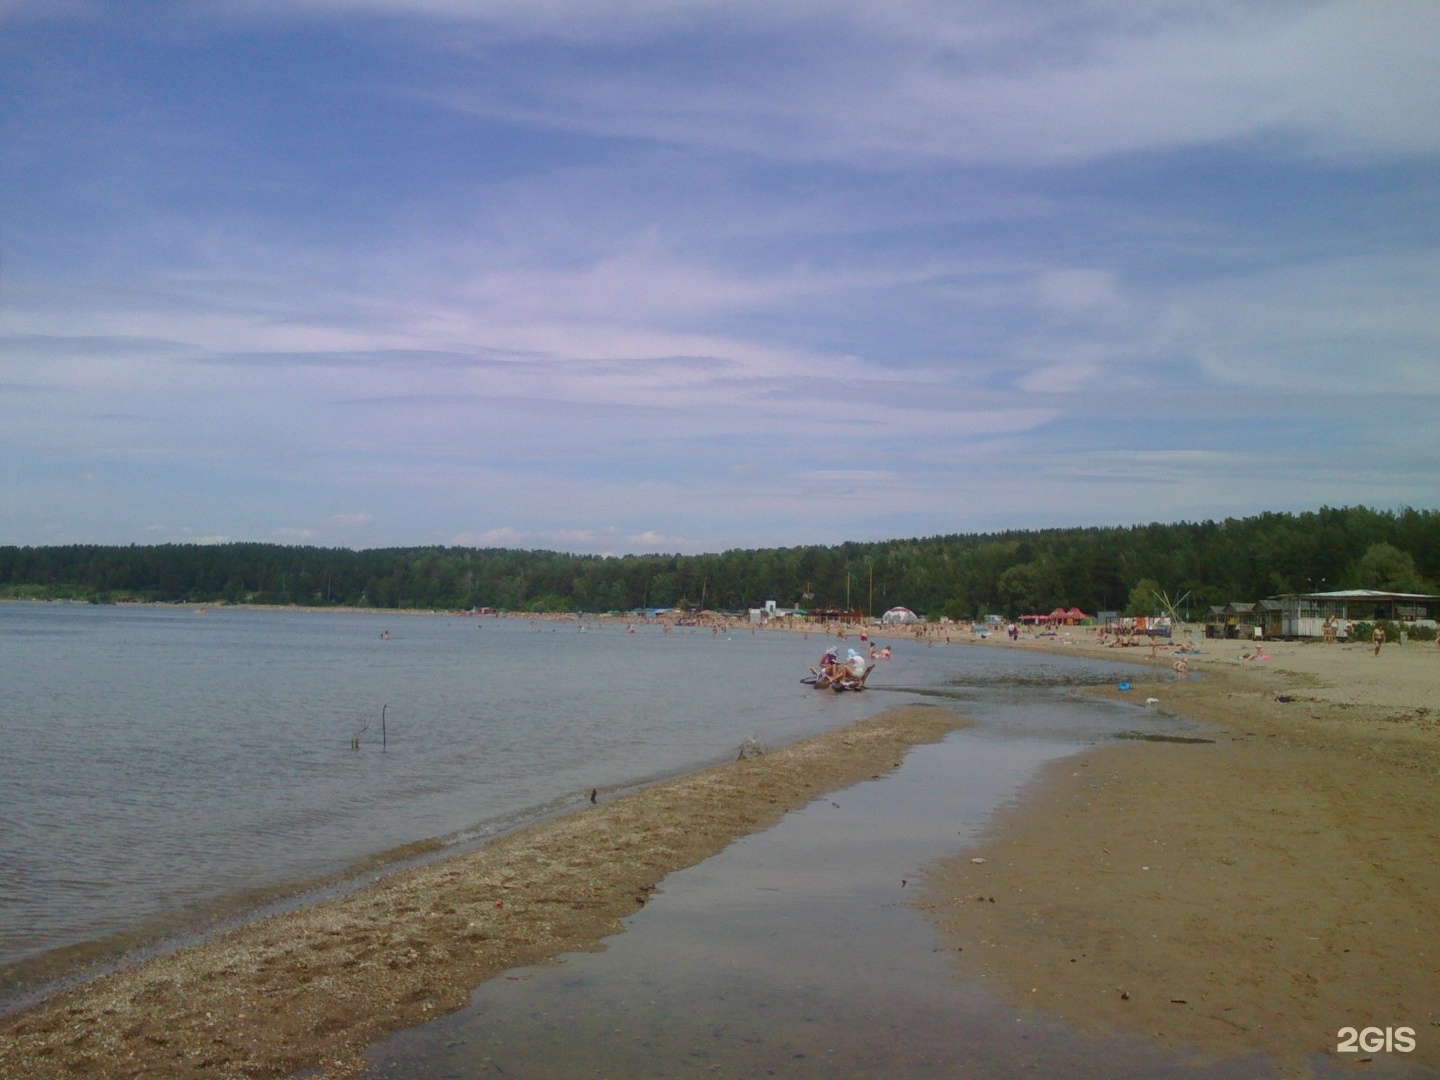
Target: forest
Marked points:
962	576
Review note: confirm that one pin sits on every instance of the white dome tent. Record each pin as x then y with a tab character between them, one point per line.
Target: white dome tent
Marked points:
899	616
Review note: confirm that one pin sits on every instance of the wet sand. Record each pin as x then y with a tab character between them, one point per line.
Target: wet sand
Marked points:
796	953
1256	893
310	990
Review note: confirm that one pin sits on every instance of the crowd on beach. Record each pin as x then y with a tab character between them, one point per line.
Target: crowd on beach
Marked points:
946	631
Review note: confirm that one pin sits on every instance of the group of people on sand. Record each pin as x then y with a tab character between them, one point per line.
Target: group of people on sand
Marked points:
1336	629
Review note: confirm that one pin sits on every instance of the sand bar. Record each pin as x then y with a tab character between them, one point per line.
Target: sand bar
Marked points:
311	989
1255	893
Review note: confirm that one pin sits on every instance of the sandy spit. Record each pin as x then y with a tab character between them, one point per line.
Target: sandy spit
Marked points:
1256	893
311	989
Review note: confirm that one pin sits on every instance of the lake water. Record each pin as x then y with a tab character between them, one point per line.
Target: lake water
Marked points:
162	769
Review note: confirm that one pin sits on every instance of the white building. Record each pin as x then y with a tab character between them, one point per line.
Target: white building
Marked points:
1304	614
771	610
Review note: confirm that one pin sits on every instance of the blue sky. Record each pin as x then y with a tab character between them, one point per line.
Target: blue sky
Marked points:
658	276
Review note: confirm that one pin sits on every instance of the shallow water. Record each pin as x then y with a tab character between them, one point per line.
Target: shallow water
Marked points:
797	953
163	769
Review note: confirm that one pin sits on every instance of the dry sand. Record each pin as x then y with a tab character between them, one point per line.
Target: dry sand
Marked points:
1255	893
310	990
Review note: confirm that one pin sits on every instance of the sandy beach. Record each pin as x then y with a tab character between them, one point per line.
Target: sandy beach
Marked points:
1257	892
1254	890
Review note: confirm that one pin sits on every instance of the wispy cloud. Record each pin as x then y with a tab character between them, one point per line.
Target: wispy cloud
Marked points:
970	82
657	276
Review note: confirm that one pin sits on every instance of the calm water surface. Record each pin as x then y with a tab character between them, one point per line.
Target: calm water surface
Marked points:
799	953
160	767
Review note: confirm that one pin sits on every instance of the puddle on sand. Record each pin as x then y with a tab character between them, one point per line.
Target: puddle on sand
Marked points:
793	953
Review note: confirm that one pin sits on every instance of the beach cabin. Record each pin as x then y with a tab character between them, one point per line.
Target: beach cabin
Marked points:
1240	620
1303	615
1269	617
1217	623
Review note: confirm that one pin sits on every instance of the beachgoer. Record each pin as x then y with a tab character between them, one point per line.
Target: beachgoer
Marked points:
885	652
834	671
828	669
1378	637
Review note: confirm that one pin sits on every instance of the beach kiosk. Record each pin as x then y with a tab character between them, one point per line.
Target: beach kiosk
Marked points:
1303	615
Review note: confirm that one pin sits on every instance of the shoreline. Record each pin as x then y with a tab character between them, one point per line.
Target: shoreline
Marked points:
311	989
1254	893
28	983
1251	894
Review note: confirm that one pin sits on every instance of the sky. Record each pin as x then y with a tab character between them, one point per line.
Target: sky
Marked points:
661	276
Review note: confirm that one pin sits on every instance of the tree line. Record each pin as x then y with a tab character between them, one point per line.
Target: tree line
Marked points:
1010	573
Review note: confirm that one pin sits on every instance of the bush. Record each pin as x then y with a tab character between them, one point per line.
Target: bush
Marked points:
1363	630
